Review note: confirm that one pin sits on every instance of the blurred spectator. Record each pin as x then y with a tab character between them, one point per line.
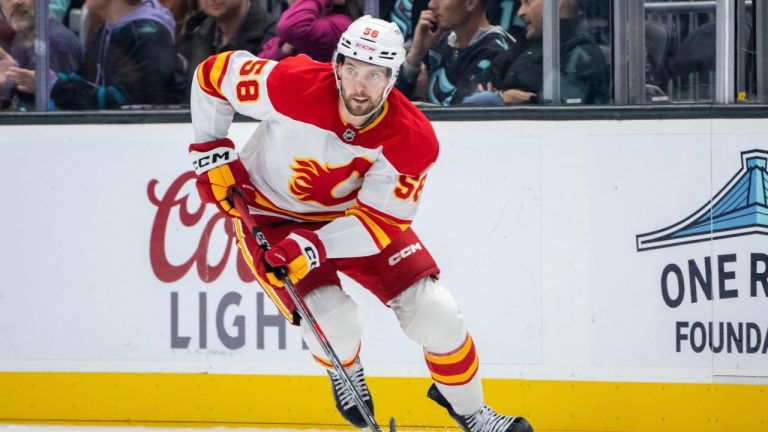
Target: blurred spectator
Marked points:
225	25
660	46
181	11
18	63
6	36
518	73
57	9
503	13
130	60
311	27
455	42
405	13
6	33
401	12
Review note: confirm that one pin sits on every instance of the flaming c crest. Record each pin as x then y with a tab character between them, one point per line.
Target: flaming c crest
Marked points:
327	185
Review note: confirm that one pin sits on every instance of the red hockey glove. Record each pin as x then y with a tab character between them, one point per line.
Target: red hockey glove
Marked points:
219	168
299	253
264	270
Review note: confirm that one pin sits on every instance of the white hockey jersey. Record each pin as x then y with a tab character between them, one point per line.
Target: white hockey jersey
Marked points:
305	161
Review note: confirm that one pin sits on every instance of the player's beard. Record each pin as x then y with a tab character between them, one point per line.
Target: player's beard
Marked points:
361	110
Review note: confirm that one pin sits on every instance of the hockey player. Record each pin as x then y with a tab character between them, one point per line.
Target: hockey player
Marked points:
333	176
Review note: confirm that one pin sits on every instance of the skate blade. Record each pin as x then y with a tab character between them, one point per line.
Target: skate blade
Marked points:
392	427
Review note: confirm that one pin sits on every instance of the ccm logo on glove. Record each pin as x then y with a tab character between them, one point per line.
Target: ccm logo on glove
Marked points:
311	254
300	253
206	161
218	168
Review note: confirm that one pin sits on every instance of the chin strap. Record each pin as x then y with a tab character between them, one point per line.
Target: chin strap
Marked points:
383	99
371	117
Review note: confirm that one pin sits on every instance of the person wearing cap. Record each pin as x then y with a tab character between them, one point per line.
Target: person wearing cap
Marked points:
333	176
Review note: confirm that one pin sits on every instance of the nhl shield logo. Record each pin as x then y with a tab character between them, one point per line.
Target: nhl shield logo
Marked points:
349	135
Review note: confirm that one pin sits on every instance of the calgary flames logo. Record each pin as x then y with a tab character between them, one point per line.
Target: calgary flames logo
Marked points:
328	185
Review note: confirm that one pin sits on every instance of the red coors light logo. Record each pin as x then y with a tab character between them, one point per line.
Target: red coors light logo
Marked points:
169	272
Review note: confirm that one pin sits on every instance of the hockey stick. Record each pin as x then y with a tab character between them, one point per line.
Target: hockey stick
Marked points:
236	196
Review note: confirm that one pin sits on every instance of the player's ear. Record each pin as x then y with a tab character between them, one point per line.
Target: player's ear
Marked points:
338	62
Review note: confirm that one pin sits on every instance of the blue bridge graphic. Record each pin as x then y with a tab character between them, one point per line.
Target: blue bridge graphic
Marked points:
740	208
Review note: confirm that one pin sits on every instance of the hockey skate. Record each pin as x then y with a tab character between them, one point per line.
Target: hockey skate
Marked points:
345	401
483	420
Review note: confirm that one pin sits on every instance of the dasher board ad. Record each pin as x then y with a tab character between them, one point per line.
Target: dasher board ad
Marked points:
591	250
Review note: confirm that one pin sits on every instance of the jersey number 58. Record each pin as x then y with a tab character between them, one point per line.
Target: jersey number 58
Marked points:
248	89
409	187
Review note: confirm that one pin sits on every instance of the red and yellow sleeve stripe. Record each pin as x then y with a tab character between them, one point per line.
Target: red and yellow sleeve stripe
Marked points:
381	226
211	72
456	367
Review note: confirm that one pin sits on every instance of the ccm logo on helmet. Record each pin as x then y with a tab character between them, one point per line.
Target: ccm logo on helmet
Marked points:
404	253
365	47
